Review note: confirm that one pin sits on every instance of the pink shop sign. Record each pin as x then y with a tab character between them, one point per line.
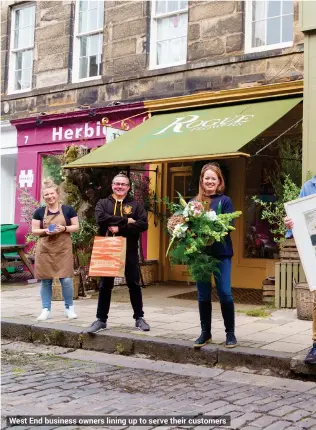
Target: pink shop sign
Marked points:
65	133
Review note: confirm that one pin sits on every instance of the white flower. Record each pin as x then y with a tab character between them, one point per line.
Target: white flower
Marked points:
186	211
211	215
179	230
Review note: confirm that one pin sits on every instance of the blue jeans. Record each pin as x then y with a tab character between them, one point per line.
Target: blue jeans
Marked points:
46	292
222	282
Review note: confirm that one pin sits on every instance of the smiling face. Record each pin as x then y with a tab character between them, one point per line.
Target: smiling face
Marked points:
50	196
120	187
210	182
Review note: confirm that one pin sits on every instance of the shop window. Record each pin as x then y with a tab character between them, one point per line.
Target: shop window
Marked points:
88	40
169	29
21	48
264	179
259	242
51	167
269	25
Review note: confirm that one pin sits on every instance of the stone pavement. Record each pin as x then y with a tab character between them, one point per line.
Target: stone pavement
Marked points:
41	380
169	317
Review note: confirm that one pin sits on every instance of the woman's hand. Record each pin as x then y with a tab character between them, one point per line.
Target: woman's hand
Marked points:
288	222
50	233
60	228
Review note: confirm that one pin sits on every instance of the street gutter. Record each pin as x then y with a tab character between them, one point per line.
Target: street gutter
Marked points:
248	360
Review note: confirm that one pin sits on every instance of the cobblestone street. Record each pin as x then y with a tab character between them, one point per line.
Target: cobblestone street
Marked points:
39	380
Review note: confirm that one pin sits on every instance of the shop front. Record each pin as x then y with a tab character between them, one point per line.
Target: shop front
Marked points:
40	139
231	130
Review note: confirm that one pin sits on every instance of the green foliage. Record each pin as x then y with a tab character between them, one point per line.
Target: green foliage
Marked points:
309	175
259	312
28	207
52	168
194	230
289	164
274	212
83	239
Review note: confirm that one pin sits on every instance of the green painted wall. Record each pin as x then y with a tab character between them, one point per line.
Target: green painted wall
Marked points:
308	26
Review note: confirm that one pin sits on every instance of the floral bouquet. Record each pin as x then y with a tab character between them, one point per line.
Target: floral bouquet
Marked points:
193	229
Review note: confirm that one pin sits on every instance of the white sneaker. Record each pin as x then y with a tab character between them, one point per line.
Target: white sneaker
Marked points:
70	313
45	315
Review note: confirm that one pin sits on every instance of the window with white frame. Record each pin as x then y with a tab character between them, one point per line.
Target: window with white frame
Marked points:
21	48
269	25
169	30
88	40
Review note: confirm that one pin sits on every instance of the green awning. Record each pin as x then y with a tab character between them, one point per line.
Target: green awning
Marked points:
190	135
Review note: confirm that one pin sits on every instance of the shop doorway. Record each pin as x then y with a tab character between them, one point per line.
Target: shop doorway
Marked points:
180	180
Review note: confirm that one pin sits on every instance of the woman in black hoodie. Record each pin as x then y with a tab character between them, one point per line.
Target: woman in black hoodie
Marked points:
121	215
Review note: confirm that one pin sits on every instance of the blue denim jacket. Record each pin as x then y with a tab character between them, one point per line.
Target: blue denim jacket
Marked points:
308	189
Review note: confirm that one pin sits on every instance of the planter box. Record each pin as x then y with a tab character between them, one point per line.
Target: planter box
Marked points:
285	272
149	271
57	291
288	251
304	301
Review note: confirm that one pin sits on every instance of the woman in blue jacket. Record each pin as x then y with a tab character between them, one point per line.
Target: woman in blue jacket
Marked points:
211	189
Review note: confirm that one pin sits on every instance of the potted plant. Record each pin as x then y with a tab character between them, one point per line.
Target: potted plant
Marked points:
28	207
274	213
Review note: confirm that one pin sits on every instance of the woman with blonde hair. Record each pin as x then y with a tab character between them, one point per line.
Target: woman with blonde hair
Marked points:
211	193
53	224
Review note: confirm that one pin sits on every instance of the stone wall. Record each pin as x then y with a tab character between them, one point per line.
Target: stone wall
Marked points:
216	58
54	20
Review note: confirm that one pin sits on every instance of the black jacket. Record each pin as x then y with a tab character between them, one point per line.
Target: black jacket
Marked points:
110	212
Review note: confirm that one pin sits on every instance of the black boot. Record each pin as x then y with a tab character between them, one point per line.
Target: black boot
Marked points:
228	312
205	309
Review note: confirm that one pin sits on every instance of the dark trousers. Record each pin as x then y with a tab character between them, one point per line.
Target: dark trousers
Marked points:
133	283
224	292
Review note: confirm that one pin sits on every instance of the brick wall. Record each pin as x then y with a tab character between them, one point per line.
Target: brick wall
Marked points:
216	58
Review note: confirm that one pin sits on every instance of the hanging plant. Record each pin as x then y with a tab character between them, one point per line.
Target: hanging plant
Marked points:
28	206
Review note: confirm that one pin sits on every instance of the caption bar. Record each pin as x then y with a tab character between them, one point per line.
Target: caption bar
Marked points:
116	420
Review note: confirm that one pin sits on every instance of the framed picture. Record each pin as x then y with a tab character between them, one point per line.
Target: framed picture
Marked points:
303	214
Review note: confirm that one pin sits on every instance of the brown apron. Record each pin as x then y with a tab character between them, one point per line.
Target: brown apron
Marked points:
53	256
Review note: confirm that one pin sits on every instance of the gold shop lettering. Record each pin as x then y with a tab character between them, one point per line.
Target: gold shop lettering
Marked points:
194	123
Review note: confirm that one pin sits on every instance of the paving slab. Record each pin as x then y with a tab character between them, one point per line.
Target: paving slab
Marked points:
171	319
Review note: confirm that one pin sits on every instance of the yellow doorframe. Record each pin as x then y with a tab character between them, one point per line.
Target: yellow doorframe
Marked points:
180	272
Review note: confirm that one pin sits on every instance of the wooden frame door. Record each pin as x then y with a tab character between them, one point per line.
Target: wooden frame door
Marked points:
180	180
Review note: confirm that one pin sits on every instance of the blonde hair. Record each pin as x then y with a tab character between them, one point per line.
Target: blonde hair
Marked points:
202	197
49	183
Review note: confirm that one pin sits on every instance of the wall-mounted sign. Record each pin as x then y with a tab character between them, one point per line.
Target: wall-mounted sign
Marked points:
26	179
71	133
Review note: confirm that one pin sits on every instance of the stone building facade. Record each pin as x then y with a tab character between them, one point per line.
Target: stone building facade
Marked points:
216	57
224	51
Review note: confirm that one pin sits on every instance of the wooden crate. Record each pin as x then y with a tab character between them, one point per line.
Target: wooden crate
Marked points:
268	290
288	251
285	271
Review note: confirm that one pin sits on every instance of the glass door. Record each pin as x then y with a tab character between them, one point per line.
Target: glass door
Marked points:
180	181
